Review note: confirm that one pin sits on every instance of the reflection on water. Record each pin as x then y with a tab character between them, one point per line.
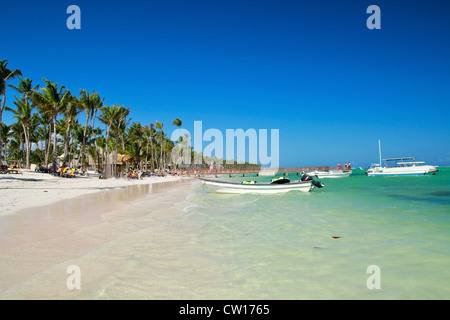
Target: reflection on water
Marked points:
436	199
36	245
194	244
440	193
86	202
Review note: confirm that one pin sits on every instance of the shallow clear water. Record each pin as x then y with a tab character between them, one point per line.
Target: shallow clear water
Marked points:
282	246
188	243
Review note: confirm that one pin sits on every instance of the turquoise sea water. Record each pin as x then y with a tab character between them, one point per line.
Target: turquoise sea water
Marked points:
318	245
184	242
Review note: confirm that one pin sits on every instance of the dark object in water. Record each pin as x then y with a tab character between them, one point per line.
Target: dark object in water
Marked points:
334	237
440	193
306	177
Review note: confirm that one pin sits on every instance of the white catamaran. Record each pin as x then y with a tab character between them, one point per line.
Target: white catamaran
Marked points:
399	166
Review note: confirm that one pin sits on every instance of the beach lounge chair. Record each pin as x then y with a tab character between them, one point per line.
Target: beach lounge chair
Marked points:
3	167
146	174
42	169
68	173
134	175
14	170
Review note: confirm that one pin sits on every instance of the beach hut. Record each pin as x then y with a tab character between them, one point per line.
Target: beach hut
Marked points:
123	158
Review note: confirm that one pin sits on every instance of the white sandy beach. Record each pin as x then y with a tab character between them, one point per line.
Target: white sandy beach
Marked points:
32	189
48	223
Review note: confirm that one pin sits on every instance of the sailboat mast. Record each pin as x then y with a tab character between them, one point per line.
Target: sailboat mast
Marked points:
379	150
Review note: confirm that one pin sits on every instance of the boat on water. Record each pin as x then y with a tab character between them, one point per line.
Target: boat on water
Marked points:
277	185
400	166
330	174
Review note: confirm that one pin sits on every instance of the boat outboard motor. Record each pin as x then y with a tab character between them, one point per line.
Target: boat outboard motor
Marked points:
306	177
317	184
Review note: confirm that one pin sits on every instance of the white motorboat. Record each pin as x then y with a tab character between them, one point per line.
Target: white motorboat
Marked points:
399	166
330	174
277	185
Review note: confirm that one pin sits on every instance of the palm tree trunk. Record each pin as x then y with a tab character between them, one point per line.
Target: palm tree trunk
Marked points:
47	143
105	169
92	125
26	133
66	143
146	155
153	158
83	147
22	147
140	153
54	144
98	155
1	121
161	160
164	158
115	155
1	144
30	143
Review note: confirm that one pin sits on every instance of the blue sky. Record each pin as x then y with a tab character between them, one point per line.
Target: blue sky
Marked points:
311	69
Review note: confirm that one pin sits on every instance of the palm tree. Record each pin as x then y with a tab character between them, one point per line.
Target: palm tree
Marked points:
108	117
25	87
148	137
52	100
119	126
23	111
4	134
44	130
36	154
16	149
70	112
97	133
5	75
102	151
136	134
177	122
152	149
89	102
159	125
167	147
23	114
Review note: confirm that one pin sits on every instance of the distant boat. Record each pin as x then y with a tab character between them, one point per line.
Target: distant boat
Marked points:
277	185
399	166
330	174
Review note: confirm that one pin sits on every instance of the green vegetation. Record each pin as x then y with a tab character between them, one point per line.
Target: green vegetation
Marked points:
48	131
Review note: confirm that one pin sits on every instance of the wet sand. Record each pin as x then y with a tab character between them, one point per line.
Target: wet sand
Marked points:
31	189
38	244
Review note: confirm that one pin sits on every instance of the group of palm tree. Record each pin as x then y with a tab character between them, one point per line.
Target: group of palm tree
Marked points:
48	125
